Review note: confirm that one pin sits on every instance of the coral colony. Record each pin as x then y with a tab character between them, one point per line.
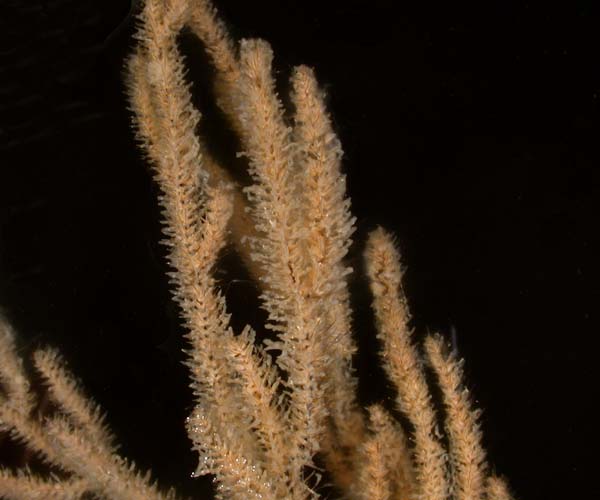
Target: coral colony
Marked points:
274	419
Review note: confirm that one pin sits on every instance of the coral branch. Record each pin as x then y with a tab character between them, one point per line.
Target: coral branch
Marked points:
466	454
403	365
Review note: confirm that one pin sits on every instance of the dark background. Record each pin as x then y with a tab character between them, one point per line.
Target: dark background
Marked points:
470	130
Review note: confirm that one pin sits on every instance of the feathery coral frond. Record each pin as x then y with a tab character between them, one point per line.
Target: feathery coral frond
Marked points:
497	489
24	486
278	247
329	225
65	392
403	365
466	454
74	440
376	476
12	374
